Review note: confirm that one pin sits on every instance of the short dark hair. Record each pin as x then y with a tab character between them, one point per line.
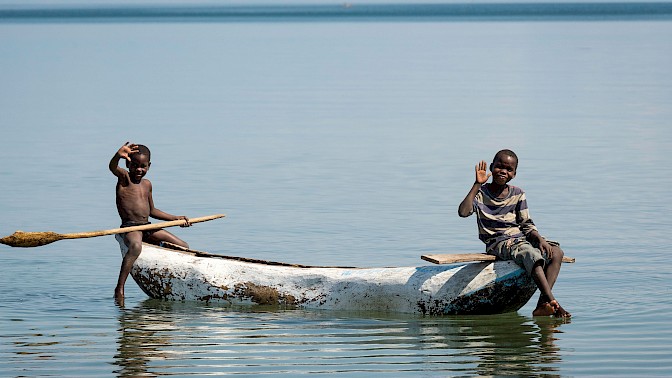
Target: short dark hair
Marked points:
506	153
143	150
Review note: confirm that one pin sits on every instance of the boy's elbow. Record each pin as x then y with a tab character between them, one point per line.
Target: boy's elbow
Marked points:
464	210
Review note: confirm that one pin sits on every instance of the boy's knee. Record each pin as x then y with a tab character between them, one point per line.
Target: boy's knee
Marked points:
537	268
134	248
180	242
558	253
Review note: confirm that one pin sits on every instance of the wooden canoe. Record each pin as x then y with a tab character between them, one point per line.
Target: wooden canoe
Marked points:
472	288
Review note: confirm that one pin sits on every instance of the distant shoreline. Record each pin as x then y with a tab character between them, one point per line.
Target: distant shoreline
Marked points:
342	12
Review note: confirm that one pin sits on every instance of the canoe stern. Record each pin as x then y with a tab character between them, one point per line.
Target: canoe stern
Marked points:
477	289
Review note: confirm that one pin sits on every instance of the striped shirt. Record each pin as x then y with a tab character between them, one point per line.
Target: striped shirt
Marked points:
501	219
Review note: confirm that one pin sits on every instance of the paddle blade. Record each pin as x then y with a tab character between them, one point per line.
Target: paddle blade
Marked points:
30	239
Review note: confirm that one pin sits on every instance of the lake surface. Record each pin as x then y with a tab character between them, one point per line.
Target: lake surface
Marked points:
335	142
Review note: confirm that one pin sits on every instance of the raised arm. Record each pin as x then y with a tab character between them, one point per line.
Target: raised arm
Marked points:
124	153
466	206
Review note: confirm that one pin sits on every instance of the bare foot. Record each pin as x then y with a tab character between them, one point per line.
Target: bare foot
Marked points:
545	309
561	312
119	297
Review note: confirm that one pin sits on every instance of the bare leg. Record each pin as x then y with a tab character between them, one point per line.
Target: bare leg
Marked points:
544	307
163	235
133	241
552	271
545	279
553	267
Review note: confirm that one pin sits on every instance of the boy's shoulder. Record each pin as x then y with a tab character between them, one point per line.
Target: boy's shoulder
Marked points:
515	190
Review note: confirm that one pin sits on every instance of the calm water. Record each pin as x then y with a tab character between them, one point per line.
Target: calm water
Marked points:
336	142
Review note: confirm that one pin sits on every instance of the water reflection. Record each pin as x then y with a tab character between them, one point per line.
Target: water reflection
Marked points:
144	335
502	344
159	338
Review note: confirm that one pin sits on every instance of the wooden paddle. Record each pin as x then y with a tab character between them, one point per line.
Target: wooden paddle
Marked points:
35	239
469	257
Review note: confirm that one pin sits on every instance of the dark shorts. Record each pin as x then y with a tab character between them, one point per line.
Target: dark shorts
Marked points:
523	252
133	224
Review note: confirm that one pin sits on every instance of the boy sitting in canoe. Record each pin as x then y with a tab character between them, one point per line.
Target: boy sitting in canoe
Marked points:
505	226
135	206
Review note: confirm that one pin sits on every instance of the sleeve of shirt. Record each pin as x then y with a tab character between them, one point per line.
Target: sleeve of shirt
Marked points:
474	204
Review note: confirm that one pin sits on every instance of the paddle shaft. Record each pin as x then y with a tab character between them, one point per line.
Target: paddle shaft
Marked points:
35	239
469	257
145	227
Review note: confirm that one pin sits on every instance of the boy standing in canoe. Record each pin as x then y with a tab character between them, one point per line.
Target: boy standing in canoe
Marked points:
505	226
135	206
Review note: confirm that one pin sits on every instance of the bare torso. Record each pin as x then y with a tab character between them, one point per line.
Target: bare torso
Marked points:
133	201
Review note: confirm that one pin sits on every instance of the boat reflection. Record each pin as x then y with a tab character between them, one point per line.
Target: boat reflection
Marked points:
167	338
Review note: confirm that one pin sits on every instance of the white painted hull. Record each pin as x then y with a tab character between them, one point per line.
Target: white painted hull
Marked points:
475	288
